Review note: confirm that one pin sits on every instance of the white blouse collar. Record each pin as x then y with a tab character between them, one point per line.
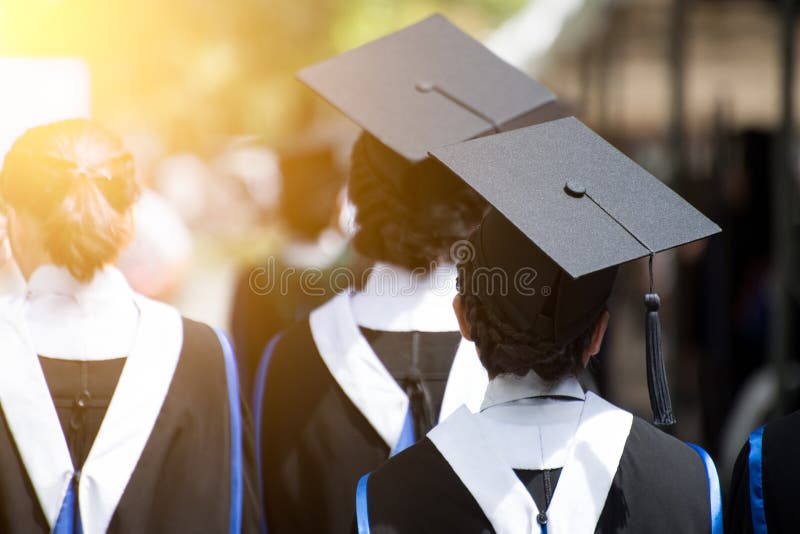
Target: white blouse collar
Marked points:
508	388
71	319
108	283
398	300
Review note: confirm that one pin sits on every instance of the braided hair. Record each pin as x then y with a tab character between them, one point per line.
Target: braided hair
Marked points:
505	349
404	225
77	181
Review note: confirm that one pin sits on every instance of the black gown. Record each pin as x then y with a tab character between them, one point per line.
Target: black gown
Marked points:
81	392
660	485
316	443
764	485
184	479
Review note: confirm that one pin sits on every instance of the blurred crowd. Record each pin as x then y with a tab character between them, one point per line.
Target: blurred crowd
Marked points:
269	184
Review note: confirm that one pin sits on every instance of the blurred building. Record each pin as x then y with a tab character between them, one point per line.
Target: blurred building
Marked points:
702	94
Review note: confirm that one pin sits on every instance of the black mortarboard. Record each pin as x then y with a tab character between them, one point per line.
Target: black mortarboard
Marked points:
569	205
426	86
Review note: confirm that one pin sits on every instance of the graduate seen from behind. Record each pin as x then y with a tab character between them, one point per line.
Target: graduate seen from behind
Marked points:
370	372
542	455
120	416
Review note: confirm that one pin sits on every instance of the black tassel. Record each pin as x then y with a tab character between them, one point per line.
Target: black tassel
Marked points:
660	401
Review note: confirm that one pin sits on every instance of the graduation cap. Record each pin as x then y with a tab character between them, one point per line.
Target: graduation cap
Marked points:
426	86
568	204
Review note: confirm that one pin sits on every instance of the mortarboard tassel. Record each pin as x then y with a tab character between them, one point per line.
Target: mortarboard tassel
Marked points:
660	401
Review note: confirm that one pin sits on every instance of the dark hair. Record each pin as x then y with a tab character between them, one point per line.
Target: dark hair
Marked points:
412	223
77	180
504	348
310	187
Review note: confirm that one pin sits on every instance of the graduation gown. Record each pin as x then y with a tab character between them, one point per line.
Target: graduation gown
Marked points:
158	441
610	471
329	410
763	491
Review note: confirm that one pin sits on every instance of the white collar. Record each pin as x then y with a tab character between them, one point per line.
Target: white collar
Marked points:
369	386
398	300
508	388
523	421
585	480
80	320
132	413
107	283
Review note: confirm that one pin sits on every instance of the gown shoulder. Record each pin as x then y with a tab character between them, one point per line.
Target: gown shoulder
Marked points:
660	485
780	470
176	474
660	481
418	491
738	519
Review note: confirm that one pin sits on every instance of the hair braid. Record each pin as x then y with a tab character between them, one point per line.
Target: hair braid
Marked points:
410	230
505	349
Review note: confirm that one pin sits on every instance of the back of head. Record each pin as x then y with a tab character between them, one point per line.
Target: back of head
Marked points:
525	313
408	214
75	180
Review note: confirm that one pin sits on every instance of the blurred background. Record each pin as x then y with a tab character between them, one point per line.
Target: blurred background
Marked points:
244	165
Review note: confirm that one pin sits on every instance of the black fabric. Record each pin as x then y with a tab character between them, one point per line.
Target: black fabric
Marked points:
577	198
315	443
660	487
417	491
535	484
738	518
428	85
81	392
182	480
780	473
420	362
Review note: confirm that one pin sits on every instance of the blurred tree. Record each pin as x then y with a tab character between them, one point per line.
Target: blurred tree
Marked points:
197	71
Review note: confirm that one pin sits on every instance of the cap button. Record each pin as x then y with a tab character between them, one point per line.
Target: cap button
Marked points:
424	87
574	189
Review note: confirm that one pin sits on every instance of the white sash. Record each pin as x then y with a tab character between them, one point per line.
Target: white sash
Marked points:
32	419
582	488
369	386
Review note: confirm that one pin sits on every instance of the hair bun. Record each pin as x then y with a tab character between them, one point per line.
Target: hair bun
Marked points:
116	178
77	180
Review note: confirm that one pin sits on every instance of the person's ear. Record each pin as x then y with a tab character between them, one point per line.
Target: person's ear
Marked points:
598	334
461	316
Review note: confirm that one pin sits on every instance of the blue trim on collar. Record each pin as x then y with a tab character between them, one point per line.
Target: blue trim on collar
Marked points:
237	489
714	493
258	410
362	508
407	437
756	468
69	518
